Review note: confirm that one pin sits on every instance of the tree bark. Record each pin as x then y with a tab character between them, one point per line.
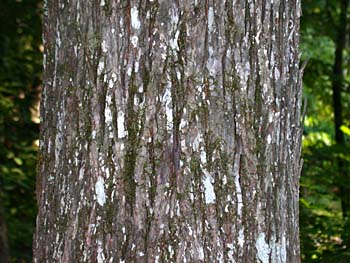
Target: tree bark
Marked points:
170	132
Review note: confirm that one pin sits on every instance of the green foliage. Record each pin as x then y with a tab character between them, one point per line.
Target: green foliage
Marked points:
320	206
321	220
20	79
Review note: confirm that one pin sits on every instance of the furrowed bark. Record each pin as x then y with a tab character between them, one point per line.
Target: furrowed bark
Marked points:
170	132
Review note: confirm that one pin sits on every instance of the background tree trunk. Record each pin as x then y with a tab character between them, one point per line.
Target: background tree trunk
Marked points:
337	87
170	132
4	248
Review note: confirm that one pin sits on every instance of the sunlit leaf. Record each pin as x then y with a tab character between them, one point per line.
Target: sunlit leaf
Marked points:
345	130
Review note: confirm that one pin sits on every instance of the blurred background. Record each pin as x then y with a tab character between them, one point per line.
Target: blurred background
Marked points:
325	180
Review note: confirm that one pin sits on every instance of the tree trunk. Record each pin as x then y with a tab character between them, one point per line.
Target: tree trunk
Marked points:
337	86
170	132
4	248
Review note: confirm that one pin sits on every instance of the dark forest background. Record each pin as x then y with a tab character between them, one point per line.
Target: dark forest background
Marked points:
325	180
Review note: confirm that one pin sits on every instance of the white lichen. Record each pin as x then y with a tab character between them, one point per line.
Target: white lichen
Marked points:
269	139
108	112
114	77
210	19
203	157
100	256
241	237
135	21
262	248
230	252
201	253
167	100
136	66
239	195
209	189
173	42
101	66
81	173
104	46
134	41
120	124
110	83
129	71
93	134
100	191
196	142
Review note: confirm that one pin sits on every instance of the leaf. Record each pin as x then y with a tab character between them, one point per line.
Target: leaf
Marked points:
18	161
345	130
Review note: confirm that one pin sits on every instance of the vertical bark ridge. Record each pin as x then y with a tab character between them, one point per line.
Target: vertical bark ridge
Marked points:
171	132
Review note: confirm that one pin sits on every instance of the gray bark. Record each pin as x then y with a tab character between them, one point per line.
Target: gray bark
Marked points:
170	132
